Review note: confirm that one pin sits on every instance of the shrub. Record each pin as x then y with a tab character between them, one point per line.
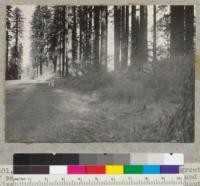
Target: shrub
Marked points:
90	82
123	89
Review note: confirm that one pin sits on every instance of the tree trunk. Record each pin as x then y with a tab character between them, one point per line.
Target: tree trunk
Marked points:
41	70
87	36
16	46
126	36
143	37
90	35
63	39
154	34
134	34
116	37
136	62
101	36
106	40
122	35
8	29
177	32
67	43
96	37
7	51
84	36
80	32
74	36
104	37
55	64
189	32
60	51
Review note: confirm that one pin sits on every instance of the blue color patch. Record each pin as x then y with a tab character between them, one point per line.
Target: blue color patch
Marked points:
151	169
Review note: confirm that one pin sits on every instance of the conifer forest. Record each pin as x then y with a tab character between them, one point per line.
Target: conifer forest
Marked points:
100	73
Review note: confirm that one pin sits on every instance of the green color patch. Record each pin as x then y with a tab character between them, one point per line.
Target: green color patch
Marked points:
133	169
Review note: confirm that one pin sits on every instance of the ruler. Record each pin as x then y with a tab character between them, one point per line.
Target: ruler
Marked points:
7	178
98	180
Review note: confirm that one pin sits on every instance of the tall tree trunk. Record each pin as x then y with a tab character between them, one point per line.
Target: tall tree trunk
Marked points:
177	34
63	38
117	21
74	36
90	35
189	32
134	34
55	64
96	37
60	51
16	46
41	66
143	36
67	42
101	38
154	33
137	45
7	53
189	85
122	35
80	32
185	113
8	29
104	37
84	36
87	35
126	36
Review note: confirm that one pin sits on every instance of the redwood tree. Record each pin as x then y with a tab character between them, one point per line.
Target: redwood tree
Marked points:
117	21
96	37
177	32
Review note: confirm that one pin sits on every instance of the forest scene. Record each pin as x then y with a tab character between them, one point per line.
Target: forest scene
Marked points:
85	74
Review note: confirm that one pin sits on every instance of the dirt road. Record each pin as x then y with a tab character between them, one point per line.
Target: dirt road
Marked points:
38	113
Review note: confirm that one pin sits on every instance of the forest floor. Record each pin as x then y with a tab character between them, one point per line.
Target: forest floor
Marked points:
36	112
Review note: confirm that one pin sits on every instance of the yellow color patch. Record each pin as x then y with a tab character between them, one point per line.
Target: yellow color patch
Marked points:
114	169
197	67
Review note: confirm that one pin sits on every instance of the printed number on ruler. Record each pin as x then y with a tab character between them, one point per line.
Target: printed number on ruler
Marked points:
98	180
6	175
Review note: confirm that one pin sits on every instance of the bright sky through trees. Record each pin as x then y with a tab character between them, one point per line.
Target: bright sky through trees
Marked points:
29	9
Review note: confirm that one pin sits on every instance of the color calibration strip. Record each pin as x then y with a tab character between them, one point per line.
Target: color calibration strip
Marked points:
99	159
98	169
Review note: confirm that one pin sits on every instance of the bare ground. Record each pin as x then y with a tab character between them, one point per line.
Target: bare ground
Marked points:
38	113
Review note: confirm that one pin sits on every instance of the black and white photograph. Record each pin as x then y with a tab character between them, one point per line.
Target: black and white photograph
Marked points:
94	74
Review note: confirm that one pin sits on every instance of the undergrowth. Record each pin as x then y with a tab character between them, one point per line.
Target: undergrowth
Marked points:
168	83
163	83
